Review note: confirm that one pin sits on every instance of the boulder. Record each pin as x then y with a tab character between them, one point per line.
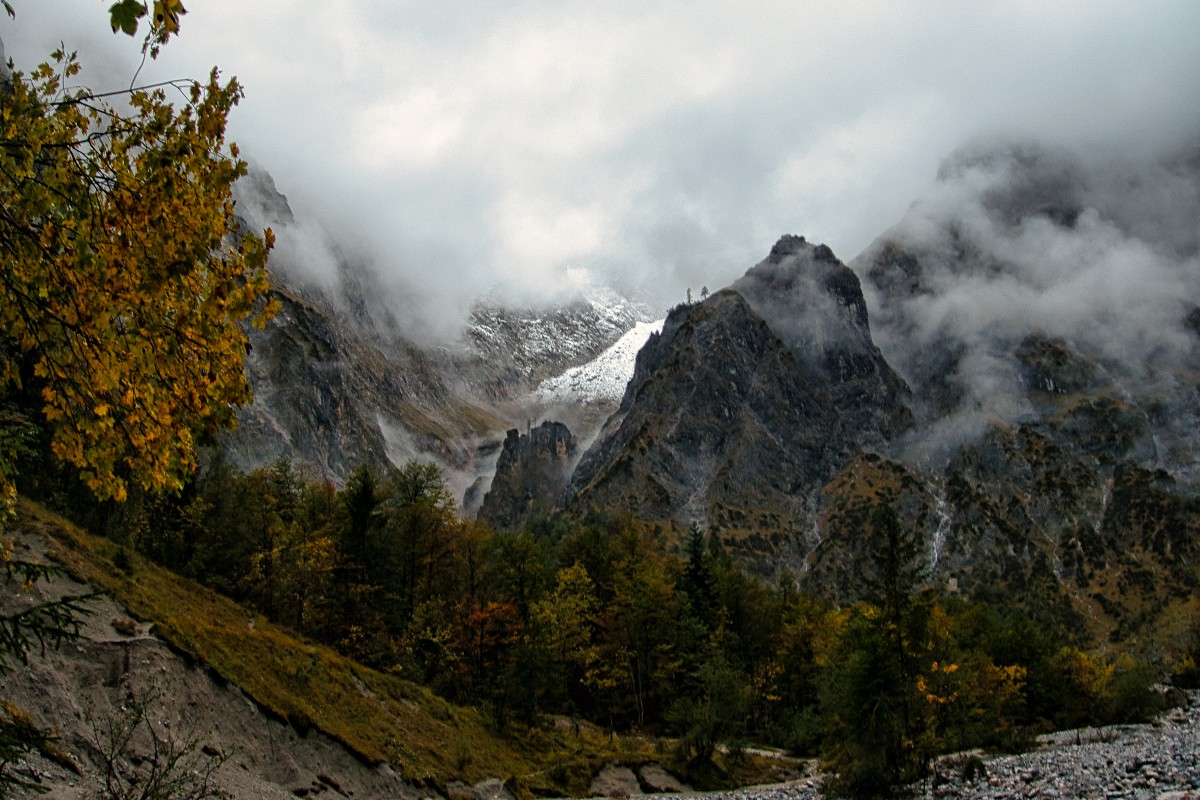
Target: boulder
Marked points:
614	780
656	779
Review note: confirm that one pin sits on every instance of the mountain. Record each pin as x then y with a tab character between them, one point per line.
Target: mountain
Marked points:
728	425
1055	380
339	381
336	382
1014	366
526	345
334	395
533	468
1017	373
601	381
815	303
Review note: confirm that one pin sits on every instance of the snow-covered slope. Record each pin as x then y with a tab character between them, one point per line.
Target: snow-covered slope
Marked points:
518	347
603	379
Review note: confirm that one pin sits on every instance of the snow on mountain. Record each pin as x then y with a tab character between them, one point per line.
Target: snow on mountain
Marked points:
603	379
522	346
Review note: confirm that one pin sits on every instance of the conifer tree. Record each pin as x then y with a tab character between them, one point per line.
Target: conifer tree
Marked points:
871	698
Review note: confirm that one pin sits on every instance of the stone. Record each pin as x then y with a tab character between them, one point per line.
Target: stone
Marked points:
492	789
614	780
457	790
531	472
656	779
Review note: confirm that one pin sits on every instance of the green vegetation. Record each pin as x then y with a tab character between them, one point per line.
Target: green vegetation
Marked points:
121	297
379	716
371	612
583	618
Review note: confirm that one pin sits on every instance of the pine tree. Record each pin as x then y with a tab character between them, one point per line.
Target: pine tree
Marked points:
871	699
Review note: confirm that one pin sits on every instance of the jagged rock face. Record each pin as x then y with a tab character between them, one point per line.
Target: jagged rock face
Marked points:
338	380
331	393
1019	520
730	425
533	469
719	425
337	383
815	304
1062	509
258	199
1054	461
302	407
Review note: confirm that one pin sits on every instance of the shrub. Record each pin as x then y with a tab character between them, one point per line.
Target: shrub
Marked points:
1186	673
973	770
1131	694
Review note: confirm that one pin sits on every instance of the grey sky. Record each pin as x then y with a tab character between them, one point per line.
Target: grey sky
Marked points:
460	145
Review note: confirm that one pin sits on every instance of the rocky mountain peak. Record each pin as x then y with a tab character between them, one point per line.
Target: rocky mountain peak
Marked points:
720	425
747	403
789	244
815	304
526	344
533	469
798	275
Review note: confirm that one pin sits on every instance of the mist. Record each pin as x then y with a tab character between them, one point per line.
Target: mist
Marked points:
1016	239
510	148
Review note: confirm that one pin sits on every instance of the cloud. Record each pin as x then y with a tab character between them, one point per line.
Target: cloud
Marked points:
463	144
1017	239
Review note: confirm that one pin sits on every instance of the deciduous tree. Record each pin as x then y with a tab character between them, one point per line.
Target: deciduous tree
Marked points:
124	285
122	291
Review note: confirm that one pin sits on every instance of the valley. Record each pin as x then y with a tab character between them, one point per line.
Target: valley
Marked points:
1043	450
585	531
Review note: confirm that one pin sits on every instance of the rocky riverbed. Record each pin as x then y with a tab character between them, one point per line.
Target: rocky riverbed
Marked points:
1158	761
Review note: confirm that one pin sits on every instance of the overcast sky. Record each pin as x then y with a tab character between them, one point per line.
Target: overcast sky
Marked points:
664	144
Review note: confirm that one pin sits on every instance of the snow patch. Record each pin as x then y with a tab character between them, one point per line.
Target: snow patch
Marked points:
604	378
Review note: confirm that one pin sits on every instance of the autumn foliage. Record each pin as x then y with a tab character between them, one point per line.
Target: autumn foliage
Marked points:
598	618
123	288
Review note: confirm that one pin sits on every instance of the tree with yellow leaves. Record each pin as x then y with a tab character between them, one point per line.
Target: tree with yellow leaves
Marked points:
124	283
123	287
